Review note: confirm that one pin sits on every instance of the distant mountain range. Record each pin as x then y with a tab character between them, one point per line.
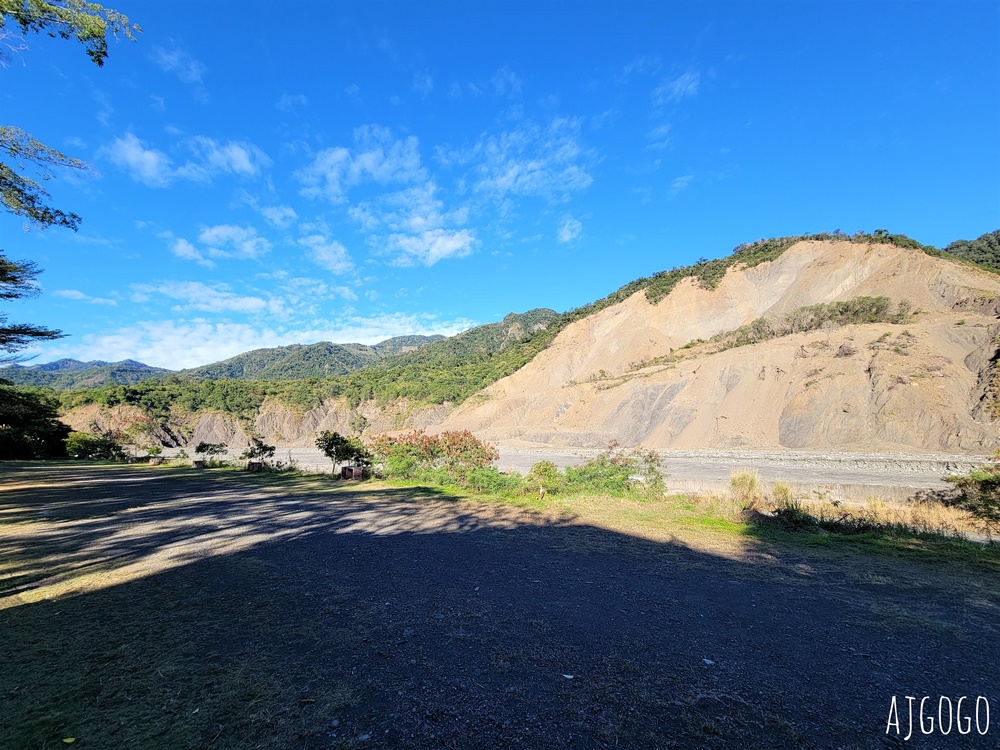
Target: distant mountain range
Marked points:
293	362
64	374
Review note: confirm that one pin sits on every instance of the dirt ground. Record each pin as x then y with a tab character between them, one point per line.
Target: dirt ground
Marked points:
144	607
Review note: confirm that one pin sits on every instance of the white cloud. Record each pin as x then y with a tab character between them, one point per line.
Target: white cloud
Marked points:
232	157
202	297
431	246
180	62
155	169
327	253
184	249
230	241
528	160
679	184
145	165
412	226
675	89
377	156
189	343
569	230
76	294
278	216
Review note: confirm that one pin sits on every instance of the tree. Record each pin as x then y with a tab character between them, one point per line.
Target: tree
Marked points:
258	450
21	195
210	449
17	281
341	449
29	424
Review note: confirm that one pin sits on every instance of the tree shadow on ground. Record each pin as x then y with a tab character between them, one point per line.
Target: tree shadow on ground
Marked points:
223	611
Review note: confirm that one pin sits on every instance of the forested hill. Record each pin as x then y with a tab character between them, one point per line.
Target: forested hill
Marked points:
304	361
293	362
71	373
983	251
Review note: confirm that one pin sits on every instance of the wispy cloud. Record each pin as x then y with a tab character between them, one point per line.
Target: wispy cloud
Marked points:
672	90
155	168
288	102
423	83
679	184
278	216
231	241
201	297
178	61
377	156
230	157
569	229
427	248
184	249
412	227
659	137
327	253
506	83
146	165
76	294
529	160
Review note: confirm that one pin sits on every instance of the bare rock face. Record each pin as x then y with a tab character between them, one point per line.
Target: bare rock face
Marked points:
927	385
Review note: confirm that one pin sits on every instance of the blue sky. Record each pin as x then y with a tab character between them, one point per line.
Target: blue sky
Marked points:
274	173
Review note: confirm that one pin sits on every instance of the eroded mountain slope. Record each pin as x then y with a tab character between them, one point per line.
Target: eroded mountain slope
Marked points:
925	384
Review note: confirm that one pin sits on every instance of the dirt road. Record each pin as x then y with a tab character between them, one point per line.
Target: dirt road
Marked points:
172	608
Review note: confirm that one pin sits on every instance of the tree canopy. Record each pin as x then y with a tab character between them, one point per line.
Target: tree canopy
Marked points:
24	196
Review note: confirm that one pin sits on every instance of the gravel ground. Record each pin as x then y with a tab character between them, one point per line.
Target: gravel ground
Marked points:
223	610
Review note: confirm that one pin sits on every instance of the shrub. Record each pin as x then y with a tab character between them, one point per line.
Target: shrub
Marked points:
613	470
979	495
745	489
489	480
451	456
546	476
103	445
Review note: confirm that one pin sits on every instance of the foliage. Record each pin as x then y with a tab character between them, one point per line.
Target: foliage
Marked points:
17	281
341	449
813	317
87	22
29	424
612	471
546	476
984	251
20	194
258	450
745	489
979	494
451	457
210	449
103	444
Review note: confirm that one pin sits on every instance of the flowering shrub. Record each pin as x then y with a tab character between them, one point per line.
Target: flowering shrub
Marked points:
416	454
